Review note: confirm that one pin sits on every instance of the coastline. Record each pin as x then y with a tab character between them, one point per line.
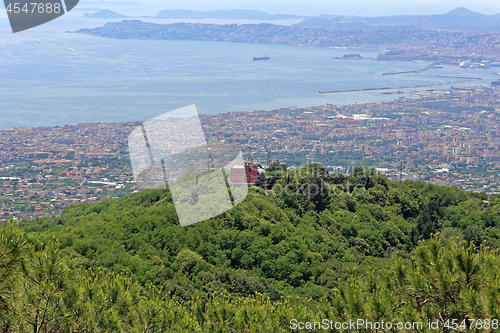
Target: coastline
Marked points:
89	162
423	40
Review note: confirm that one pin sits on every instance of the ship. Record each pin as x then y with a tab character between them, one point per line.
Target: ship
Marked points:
495	83
265	57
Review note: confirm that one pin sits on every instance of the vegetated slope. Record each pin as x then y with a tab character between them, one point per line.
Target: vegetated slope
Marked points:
453	285
299	239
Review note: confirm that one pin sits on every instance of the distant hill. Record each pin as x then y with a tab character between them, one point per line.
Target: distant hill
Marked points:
105	14
461	11
224	14
459	18
280	243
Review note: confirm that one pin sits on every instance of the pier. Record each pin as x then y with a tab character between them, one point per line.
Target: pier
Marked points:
458	77
417	71
400	87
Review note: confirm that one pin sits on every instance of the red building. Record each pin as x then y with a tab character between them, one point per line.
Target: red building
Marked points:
252	171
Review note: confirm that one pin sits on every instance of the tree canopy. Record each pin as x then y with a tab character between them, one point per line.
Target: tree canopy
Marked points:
308	240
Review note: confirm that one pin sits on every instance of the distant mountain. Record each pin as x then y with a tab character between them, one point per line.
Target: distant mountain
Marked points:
461	11
459	18
105	14
224	14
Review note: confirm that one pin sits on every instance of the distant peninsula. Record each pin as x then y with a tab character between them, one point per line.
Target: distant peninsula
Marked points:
105	14
436	45
224	14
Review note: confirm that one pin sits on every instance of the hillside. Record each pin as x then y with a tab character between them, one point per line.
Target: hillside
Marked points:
280	260
450	286
104	14
278	244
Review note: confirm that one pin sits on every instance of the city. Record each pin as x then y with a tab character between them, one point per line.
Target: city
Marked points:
444	137
401	44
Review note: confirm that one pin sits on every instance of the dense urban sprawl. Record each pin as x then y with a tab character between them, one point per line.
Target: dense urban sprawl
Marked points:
440	136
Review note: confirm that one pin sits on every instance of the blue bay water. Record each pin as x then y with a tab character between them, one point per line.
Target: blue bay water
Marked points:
53	78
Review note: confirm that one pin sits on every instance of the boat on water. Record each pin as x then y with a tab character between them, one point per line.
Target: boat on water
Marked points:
495	83
265	57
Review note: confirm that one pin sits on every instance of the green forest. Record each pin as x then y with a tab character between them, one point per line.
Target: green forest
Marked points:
316	246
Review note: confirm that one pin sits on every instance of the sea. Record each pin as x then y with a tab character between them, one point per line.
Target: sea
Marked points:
49	76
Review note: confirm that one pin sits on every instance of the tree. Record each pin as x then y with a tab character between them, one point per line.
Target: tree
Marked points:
12	246
275	172
429	219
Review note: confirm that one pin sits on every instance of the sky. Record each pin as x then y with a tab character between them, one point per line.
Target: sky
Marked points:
139	8
298	7
307	7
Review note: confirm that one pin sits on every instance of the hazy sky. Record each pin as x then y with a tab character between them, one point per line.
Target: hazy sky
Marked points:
312	7
301	7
